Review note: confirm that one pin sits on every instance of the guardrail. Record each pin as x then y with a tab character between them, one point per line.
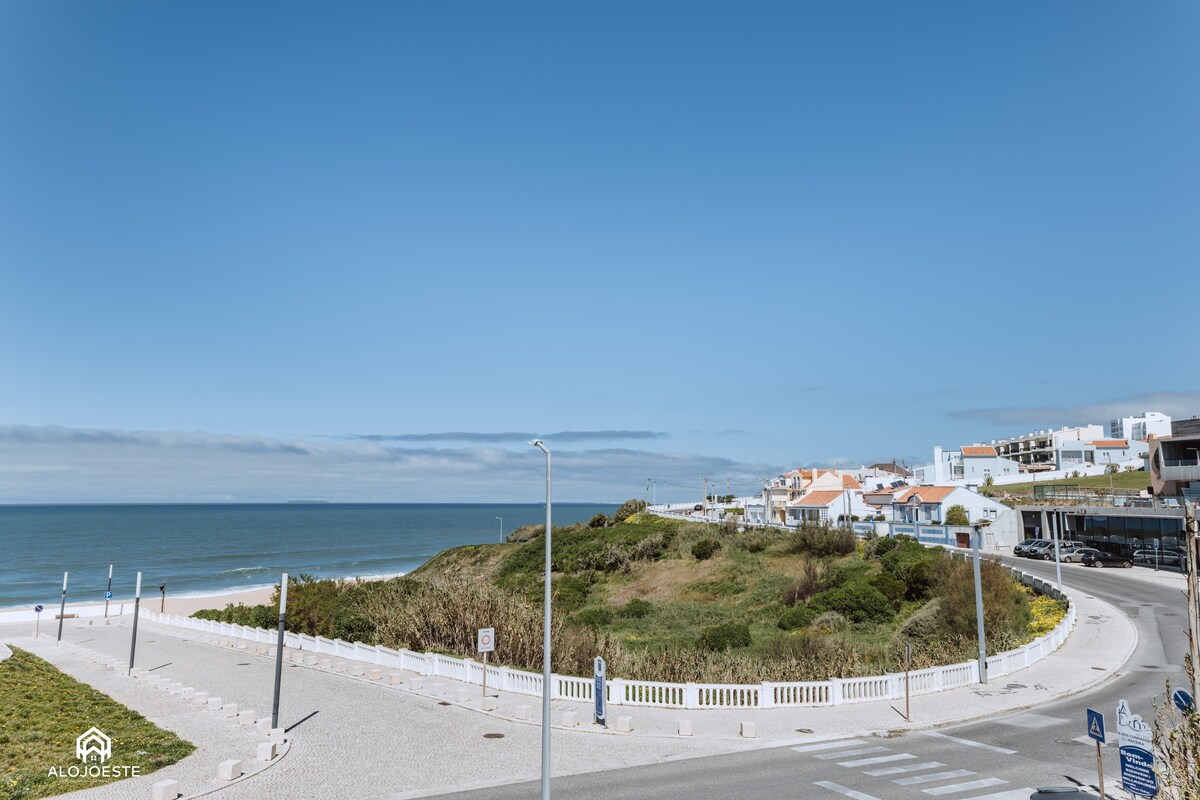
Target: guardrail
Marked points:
799	694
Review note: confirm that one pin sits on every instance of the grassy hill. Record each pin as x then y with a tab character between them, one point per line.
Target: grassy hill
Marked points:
667	600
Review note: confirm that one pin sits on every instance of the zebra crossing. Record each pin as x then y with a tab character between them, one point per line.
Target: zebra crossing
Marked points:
930	778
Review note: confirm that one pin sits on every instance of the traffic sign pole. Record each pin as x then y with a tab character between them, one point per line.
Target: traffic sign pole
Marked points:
108	591
137	602
37	625
907	664
1100	769
485	642
62	609
1095	729
283	587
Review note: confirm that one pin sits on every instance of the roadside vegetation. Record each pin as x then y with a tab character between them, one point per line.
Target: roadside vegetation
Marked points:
669	600
42	711
1125	480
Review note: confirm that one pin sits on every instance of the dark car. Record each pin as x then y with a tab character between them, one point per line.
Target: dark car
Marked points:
1020	549
1099	559
697	507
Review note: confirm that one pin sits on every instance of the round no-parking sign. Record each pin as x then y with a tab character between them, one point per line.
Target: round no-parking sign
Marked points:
486	642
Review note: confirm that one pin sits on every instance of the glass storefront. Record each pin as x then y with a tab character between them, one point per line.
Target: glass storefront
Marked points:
1122	535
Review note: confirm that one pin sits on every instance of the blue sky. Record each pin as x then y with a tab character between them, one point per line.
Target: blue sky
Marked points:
700	237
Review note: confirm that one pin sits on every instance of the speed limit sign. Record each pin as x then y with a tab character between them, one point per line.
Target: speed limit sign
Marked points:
487	640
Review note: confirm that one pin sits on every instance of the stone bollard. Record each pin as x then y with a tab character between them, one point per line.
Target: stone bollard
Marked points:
246	717
375	675
200	699
165	790
228	770
521	712
490	703
685	727
569	719
277	735
263	725
358	670
395	678
187	693
174	687
461	696
229	710
215	703
417	683
747	730
266	751
624	724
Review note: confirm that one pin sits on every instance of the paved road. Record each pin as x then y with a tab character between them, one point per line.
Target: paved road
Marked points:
1002	758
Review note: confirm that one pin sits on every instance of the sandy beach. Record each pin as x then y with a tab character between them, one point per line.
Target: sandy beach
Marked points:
183	605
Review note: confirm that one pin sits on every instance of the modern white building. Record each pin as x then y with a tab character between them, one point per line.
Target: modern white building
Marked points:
971	464
1140	428
1036	451
1101	452
827	507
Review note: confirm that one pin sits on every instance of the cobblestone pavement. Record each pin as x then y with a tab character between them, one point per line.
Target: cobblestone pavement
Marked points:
351	736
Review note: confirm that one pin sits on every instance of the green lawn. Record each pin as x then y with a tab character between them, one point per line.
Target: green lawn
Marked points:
1139	479
42	711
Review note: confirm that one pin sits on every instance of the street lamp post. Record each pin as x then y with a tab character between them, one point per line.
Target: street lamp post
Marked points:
501	529
546	686
976	543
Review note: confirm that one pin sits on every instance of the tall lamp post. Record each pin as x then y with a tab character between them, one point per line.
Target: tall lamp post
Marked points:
501	529
976	544
546	639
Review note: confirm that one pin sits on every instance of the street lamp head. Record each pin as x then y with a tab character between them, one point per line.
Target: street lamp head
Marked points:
538	444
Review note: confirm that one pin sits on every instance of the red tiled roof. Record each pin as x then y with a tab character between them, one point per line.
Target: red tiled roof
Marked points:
928	494
1111	443
818	498
975	450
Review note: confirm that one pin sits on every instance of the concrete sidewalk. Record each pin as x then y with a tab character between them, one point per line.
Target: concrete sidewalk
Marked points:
431	731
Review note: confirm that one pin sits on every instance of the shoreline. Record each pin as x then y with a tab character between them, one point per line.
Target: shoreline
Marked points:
184	604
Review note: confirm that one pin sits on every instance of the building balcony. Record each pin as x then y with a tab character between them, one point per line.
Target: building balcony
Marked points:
1180	470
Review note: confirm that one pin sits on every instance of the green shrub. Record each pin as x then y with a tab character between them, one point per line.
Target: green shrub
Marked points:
925	624
570	591
796	617
918	568
705	549
830	622
598	521
628	509
957	515
637	608
594	617
857	600
813	577
756	545
822	541
725	636
891	588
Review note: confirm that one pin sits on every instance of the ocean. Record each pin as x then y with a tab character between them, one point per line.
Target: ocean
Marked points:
208	549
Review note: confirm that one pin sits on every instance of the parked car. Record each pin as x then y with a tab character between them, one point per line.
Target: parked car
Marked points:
1099	559
1035	550
1166	557
1019	549
1066	552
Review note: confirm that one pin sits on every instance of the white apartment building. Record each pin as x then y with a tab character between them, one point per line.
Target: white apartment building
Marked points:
1150	423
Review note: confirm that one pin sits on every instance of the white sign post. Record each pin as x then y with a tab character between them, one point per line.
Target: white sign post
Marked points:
1137	753
485	643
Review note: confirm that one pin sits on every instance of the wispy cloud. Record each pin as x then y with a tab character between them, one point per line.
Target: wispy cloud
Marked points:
51	464
1175	404
506	436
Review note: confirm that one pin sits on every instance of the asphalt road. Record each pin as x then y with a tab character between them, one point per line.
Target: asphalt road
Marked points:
1002	758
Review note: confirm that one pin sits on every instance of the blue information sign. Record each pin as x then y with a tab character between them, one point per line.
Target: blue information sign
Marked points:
1183	701
108	595
1137	772
38	608
1095	725
601	699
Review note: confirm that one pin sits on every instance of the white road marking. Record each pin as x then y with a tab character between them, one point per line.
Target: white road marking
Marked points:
861	751
933	776
863	762
982	783
1014	794
843	790
1032	720
904	768
810	748
970	743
